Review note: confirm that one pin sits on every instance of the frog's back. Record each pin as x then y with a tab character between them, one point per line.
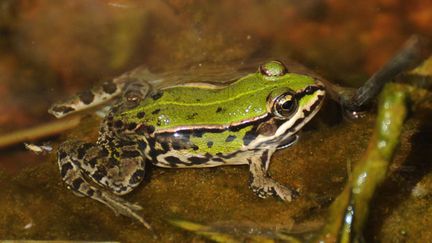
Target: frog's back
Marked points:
197	105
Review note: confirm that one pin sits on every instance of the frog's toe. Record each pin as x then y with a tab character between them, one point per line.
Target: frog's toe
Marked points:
134	206
264	188
120	206
283	192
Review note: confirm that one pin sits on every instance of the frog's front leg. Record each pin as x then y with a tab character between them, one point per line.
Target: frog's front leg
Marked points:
261	183
102	173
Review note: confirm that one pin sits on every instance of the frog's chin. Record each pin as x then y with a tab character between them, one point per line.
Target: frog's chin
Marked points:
289	141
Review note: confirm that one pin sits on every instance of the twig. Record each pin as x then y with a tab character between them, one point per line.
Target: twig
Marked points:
414	52
37	132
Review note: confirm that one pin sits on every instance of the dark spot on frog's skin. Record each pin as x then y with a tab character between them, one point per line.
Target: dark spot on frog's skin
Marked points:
165	147
99	174
264	158
176	146
198	133
82	150
92	162
198	100
62	155
153	154
191	116
86	97
77	183
131	126
143	129
109	87
173	161
137	177
65	168
235	128
118	124
198	160
141	114
140	130
103	152
110	117
63	109
130	154
157	96
156	111
194	147
219	109
150	129
90	192
142	145
248	137
230	138
158	123
210	144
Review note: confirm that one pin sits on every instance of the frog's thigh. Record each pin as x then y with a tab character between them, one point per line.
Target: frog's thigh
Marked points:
74	176
119	171
99	95
86	99
261	183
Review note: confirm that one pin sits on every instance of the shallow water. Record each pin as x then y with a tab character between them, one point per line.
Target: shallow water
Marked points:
50	50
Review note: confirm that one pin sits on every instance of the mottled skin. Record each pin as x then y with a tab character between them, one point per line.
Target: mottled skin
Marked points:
191	125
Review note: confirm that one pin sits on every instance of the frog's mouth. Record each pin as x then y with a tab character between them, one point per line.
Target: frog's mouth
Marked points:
289	141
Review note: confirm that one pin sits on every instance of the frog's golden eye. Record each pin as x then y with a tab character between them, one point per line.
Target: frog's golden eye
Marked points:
285	105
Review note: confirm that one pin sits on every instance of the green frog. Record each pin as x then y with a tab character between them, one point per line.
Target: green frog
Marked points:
187	126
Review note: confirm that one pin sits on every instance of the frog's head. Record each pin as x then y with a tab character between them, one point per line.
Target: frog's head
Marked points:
293	99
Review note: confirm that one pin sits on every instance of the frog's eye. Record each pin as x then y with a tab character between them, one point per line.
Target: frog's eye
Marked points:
273	69
285	105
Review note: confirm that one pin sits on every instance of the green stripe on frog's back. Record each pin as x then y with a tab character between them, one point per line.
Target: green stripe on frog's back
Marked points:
189	105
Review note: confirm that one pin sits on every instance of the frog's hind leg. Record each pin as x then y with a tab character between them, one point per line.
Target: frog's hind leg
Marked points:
261	183
79	161
98	95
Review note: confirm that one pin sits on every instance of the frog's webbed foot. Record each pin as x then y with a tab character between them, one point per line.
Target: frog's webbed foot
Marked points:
86	173
262	184
121	206
265	187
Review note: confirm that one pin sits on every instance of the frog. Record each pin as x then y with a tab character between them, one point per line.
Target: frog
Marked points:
189	125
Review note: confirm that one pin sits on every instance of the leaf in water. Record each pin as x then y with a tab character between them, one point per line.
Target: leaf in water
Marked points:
203	230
